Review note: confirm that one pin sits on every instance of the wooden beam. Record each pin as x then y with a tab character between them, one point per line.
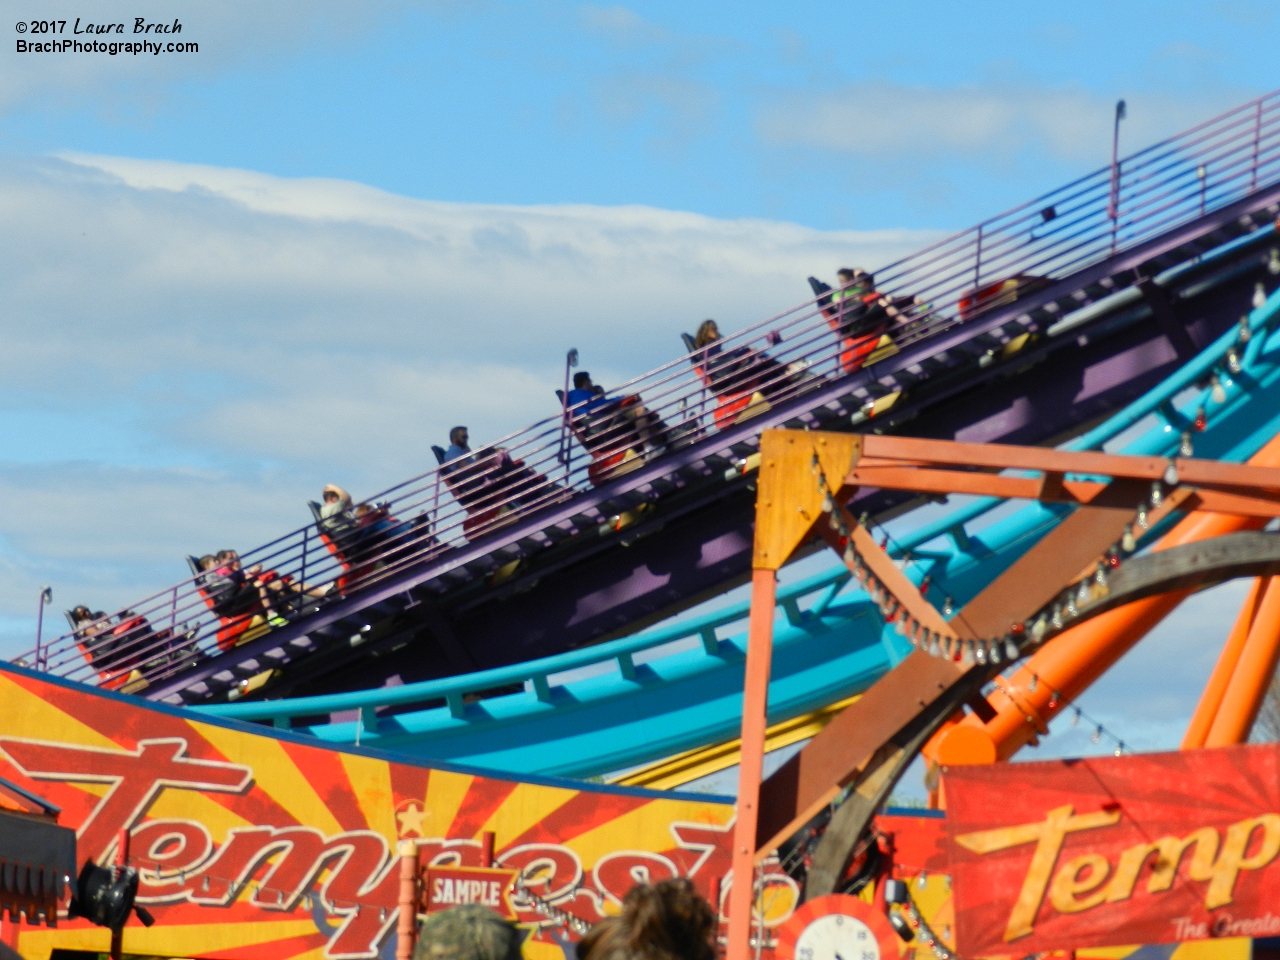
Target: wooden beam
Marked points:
879	563
1051	488
1039	575
1001	456
807	782
789	497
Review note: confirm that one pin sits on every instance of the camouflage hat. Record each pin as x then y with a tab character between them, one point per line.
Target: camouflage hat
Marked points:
467	932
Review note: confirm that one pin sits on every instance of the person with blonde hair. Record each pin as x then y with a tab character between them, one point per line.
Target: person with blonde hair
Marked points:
738	369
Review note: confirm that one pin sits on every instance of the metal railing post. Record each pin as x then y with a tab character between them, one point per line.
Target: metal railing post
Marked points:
1257	137
1113	204
977	264
570	361
306	538
435	504
46	596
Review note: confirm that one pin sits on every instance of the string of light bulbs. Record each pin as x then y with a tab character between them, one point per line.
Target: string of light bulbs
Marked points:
546	908
1023	635
923	931
1066	607
1077	715
1099	731
235	888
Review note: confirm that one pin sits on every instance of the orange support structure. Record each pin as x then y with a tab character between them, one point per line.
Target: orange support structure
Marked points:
755	695
1065	667
1252	674
1211	698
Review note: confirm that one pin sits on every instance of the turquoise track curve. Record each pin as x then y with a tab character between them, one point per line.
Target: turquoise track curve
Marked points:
678	687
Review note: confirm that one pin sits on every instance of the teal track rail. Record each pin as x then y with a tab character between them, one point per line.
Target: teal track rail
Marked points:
678	687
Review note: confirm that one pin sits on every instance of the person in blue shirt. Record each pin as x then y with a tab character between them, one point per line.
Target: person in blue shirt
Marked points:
586	393
602	421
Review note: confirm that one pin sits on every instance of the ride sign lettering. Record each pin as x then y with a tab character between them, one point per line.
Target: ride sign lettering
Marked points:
1110	851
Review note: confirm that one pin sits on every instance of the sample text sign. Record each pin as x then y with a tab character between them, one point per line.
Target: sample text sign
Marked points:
1148	849
450	886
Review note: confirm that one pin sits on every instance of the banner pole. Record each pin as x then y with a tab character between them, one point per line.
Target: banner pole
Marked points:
407	922
755	697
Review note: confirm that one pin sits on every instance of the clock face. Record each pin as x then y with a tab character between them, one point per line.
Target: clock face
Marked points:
837	927
837	936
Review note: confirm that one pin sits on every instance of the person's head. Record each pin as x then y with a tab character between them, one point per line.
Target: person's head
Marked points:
601	937
708	332
582	381
229	558
854	277
467	932
666	921
80	614
207	562
458	436
333	493
363	510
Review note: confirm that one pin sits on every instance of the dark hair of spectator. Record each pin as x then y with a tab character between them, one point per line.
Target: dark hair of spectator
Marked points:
666	921
857	274
582	380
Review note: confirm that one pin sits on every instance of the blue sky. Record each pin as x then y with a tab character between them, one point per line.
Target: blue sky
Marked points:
301	254
836	116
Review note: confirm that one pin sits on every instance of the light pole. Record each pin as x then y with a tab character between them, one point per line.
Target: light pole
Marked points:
46	596
570	361
1113	205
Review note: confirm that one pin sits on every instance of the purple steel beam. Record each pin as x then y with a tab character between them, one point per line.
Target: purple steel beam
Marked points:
713	546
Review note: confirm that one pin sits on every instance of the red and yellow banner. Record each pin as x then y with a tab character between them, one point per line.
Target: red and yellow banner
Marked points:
1158	848
261	845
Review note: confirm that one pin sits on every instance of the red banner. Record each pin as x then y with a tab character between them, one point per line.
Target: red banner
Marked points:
1110	851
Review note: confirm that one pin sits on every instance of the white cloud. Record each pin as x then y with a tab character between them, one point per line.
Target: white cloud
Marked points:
243	338
621	25
887	121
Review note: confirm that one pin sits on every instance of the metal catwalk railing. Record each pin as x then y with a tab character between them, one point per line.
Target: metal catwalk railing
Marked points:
680	405
1238	418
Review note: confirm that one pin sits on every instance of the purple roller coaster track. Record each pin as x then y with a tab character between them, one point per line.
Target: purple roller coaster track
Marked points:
1022	329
